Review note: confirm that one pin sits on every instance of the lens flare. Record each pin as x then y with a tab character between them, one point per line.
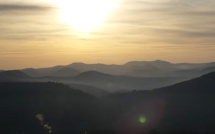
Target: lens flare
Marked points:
142	119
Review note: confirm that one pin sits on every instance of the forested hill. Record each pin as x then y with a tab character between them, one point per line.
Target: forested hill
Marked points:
29	108
40	108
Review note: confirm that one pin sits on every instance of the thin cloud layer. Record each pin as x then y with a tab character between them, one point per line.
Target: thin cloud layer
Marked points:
167	18
18	7
174	30
26	21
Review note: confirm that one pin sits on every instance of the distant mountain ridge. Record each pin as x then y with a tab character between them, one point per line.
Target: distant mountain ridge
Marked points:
98	83
121	83
57	71
95	91
13	75
134	75
157	68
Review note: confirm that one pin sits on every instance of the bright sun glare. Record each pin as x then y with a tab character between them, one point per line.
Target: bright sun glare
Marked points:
84	15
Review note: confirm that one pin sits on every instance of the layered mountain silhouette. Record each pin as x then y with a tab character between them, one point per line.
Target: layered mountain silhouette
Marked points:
58	71
156	68
190	104
186	107
96	83
208	70
117	83
134	75
92	90
13	75
135	98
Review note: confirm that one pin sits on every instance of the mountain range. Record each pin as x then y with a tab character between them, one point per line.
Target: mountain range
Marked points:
100	82
47	107
156	68
101	79
13	75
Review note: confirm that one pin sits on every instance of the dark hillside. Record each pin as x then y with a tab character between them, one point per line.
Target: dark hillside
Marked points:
184	108
26	107
13	75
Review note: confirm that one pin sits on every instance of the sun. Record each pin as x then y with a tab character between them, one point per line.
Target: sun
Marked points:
84	15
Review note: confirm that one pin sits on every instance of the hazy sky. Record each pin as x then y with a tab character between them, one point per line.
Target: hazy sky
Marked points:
33	33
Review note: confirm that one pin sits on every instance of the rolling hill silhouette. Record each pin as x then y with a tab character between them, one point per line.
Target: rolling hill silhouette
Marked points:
208	70
117	83
190	104
134	75
186	107
13	75
57	71
157	68
95	91
40	108
92	75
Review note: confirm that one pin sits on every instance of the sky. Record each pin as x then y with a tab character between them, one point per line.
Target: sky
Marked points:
43	33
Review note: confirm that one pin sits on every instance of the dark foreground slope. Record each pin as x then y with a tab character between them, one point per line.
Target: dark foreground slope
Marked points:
184	108
37	108
190	105
187	107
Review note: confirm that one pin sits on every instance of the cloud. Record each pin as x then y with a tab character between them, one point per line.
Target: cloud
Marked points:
132	22
165	21
28	21
18	7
